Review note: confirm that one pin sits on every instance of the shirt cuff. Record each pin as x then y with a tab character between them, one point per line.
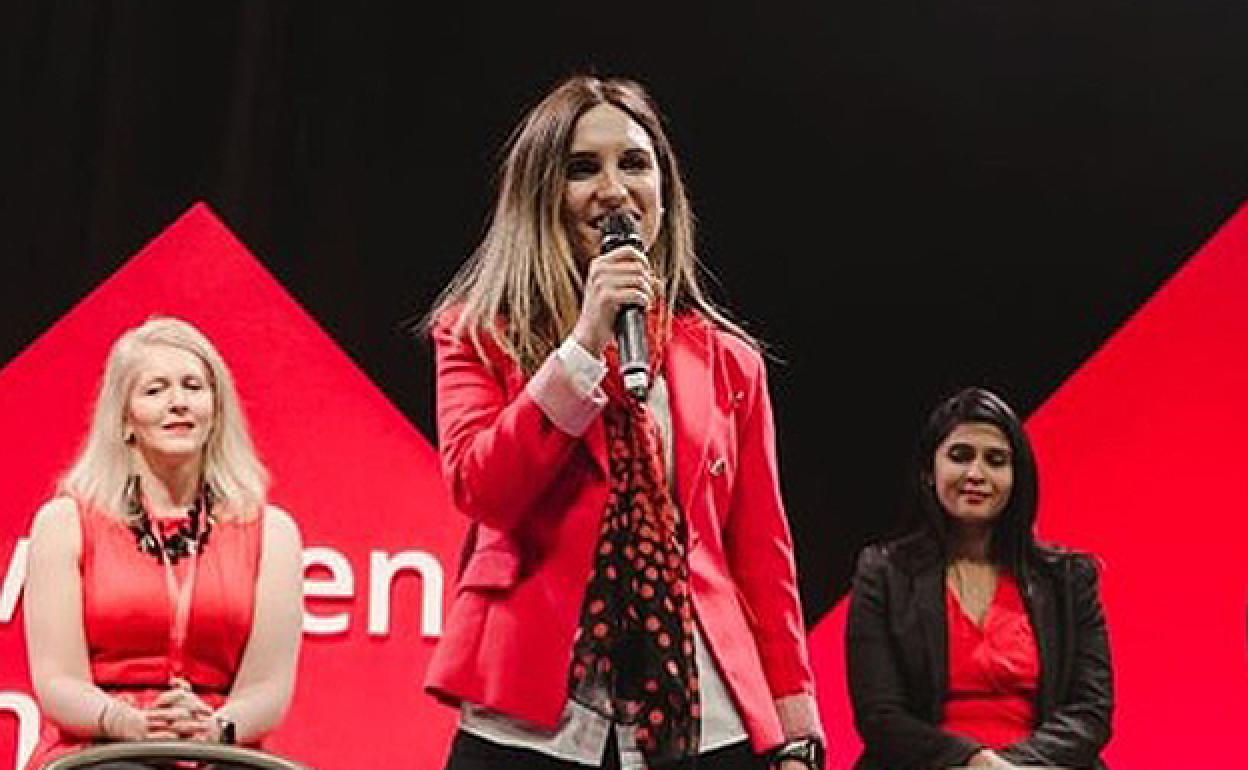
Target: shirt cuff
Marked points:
586	369
568	395
799	716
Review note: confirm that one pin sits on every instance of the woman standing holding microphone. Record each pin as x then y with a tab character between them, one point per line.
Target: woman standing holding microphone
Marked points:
627	596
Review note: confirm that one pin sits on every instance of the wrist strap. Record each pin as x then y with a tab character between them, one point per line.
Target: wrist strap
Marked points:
809	751
227	733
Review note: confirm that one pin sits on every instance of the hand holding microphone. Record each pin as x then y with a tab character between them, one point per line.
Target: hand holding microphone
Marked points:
618	289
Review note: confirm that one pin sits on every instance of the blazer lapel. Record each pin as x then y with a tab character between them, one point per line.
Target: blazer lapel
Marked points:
1042	612
691	393
929	590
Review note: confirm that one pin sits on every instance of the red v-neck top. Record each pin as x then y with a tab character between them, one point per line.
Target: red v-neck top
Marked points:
994	670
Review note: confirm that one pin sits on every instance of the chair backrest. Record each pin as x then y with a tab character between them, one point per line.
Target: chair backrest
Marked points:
140	751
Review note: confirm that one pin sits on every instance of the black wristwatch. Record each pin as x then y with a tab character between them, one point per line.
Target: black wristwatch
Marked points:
228	731
809	751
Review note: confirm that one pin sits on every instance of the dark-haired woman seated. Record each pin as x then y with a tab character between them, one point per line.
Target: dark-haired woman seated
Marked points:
968	642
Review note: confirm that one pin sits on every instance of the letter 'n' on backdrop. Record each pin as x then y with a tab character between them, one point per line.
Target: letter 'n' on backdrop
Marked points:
359	477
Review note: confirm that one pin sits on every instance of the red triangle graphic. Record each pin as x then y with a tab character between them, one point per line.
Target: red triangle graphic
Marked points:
1142	459
347	464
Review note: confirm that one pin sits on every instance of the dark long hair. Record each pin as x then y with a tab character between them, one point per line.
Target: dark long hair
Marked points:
1013	542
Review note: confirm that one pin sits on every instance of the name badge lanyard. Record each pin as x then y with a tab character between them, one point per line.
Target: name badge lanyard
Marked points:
181	594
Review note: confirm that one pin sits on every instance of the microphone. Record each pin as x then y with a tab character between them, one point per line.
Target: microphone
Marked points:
619	229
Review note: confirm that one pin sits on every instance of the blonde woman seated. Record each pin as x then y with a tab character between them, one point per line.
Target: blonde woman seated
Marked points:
164	596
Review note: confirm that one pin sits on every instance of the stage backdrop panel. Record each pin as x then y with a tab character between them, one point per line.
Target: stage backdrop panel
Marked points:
1142	457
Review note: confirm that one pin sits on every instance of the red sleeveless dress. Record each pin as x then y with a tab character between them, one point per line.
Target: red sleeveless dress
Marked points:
127	613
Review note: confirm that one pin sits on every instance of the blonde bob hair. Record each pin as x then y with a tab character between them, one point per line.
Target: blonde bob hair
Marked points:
231	469
523	284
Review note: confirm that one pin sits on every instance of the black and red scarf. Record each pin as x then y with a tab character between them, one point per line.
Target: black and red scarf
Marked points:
633	660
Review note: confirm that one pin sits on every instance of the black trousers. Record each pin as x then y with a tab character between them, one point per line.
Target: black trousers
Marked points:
468	752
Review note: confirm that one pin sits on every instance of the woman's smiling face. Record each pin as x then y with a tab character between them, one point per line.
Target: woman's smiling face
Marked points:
973	473
611	165
172	406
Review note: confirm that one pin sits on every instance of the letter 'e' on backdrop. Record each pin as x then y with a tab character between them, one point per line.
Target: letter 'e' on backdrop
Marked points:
380	536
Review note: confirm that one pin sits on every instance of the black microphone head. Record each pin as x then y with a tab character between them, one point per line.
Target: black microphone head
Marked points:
619	229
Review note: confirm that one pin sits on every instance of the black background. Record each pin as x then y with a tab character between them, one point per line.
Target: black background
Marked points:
901	197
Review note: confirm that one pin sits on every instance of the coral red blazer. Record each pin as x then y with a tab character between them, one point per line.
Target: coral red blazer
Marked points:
537	493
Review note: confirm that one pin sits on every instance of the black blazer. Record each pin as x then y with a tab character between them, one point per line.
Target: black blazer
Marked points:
897	656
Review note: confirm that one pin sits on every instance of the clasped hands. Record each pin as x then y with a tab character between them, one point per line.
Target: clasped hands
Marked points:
990	759
176	714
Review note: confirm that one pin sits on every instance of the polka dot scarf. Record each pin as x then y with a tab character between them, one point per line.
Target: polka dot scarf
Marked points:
633	660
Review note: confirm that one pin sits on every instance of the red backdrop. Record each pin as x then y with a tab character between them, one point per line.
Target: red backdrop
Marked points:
1141	457
359	478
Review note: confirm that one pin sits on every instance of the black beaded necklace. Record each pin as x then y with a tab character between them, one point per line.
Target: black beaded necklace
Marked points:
189	538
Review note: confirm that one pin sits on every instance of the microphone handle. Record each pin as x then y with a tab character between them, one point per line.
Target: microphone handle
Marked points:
630	336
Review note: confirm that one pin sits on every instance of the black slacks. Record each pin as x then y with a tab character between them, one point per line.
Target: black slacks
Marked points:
468	752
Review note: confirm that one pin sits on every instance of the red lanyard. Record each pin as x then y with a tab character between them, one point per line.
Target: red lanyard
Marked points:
180	597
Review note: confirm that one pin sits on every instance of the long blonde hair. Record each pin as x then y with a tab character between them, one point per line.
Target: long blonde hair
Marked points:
524	273
231	469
